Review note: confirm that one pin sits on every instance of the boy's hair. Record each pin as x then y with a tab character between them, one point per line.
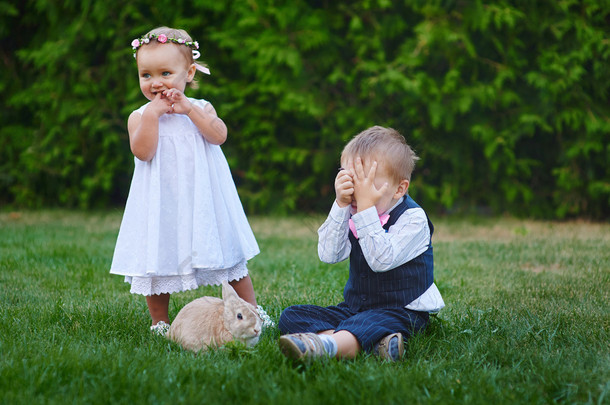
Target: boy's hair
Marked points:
184	50
386	146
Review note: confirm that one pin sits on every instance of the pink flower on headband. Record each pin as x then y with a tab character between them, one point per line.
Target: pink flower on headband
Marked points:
135	43
162	38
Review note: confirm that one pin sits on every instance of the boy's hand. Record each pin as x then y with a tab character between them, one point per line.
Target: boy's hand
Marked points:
344	187
366	193
179	102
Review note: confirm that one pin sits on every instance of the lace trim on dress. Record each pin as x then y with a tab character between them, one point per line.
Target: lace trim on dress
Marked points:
185	282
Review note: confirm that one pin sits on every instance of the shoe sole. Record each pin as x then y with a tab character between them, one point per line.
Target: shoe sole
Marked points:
290	349
385	353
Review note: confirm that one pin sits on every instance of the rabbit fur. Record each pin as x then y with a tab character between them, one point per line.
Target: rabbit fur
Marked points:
212	322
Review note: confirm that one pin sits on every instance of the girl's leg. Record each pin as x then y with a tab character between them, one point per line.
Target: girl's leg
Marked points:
244	288
158	306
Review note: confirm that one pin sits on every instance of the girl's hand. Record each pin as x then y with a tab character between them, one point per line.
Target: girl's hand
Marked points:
344	187
160	105
179	102
365	192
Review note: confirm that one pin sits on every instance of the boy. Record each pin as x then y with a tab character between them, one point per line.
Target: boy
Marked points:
390	291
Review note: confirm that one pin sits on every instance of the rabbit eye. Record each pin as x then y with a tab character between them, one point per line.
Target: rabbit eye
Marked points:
240	316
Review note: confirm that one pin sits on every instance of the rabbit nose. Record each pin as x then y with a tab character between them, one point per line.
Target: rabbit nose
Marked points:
257	331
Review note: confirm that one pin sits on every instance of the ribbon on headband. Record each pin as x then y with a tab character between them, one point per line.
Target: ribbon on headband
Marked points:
199	67
202	68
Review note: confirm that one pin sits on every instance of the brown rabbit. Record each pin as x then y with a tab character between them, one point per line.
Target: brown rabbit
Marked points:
211	321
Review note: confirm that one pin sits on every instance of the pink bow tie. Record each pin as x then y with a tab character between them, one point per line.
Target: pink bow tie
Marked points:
382	218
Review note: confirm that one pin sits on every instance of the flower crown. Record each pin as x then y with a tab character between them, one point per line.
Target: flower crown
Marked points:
162	38
138	42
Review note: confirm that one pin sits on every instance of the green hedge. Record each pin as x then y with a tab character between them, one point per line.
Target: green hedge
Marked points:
506	102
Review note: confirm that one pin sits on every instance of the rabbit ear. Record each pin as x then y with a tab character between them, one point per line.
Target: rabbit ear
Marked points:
228	292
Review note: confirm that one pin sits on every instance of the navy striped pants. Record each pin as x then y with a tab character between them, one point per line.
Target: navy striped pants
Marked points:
368	326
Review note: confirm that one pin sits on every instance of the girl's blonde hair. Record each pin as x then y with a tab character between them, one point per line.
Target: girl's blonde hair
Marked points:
385	145
178	34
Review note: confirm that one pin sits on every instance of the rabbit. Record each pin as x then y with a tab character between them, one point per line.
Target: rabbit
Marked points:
212	322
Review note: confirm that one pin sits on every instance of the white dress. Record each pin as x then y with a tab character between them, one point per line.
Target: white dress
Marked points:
184	225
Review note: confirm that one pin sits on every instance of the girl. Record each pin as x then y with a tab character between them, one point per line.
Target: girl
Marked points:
183	225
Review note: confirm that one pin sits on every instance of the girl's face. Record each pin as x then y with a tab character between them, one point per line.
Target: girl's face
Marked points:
163	67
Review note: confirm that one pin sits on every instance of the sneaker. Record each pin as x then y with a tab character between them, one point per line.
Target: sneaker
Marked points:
161	328
267	321
302	345
390	347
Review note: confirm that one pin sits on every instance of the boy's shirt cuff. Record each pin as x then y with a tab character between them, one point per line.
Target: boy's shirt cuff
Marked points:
338	214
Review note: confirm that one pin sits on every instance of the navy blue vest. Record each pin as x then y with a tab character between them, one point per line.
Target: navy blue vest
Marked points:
366	289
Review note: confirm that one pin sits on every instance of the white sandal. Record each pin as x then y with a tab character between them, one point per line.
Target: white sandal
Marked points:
160	328
267	321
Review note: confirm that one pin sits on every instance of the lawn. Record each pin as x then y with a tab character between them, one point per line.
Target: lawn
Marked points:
527	320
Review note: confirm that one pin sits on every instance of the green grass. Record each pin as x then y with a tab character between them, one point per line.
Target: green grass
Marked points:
527	320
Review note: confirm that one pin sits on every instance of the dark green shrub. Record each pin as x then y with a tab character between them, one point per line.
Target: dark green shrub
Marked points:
505	101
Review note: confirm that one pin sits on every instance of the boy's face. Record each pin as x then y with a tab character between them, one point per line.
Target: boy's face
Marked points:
163	67
392	193
387	199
